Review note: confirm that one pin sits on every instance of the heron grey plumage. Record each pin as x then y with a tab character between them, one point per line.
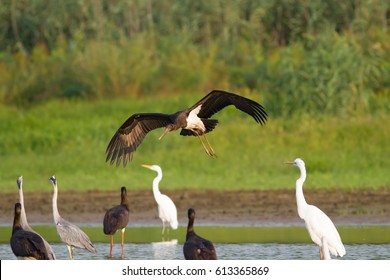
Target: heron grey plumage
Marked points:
69	233
23	219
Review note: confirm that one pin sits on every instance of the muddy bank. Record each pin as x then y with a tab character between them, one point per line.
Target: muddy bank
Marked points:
249	207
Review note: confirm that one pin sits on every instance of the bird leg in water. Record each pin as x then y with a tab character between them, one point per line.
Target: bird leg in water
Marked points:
162	233
70	250
123	243
324	250
111	244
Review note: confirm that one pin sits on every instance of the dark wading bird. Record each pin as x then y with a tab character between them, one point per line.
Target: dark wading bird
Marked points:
117	218
69	233
196	247
320	227
193	121
25	244
23	219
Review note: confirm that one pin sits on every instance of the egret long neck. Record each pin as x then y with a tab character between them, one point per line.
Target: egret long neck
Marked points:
56	214
301	202
156	191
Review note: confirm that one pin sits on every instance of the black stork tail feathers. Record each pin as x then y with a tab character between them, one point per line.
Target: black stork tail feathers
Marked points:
193	121
209	125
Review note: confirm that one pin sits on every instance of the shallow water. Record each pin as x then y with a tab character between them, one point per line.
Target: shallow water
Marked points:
173	250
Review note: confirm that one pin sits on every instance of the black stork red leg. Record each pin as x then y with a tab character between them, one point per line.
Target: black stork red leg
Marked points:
123	243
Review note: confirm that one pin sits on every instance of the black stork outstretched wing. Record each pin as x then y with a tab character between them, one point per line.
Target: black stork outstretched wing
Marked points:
131	133
216	100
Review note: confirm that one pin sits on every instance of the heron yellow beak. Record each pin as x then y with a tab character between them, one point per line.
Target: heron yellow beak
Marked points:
289	162
146	166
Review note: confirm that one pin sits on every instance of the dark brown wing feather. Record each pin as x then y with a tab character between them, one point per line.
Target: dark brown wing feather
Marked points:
131	133
198	248
28	244
216	100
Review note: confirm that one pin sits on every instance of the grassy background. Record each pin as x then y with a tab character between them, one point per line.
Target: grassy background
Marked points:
68	139
320	68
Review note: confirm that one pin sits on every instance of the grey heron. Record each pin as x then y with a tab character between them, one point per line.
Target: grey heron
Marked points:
117	218
23	219
196	247
193	121
320	227
69	233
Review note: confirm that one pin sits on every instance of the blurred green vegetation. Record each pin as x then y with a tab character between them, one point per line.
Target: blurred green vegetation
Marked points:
72	71
68	139
298	56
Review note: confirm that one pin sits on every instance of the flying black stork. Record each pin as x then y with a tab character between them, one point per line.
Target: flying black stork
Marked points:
193	121
116	218
196	247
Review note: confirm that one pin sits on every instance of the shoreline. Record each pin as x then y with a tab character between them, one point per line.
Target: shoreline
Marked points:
214	208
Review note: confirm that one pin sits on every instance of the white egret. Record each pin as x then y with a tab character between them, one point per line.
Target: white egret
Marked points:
320	227
117	218
196	247
167	211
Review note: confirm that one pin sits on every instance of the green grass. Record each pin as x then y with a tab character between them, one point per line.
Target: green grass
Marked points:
68	139
294	234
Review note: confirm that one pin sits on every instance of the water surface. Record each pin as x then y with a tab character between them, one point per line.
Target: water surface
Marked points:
172	250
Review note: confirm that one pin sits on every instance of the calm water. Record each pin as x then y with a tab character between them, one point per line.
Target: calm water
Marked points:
242	251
